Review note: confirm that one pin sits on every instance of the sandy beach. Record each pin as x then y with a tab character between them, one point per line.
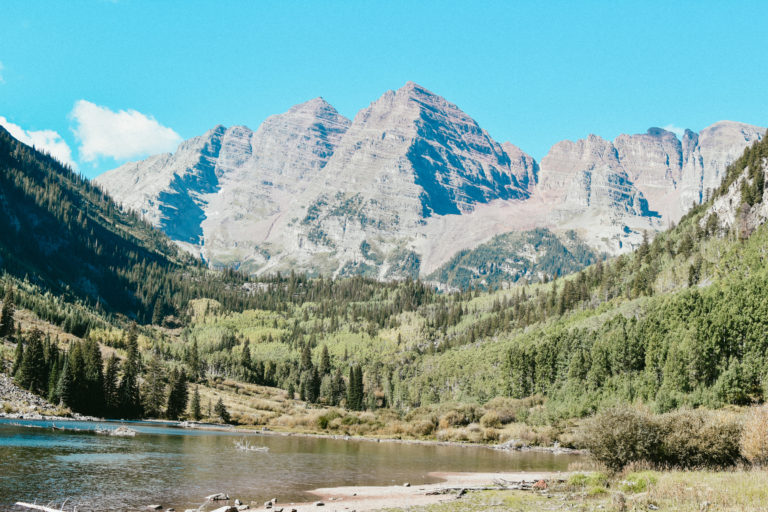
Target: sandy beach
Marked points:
380	497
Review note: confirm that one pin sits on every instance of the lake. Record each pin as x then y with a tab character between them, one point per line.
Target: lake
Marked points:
178	467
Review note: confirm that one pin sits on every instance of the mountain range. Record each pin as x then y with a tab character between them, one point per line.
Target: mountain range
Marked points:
410	182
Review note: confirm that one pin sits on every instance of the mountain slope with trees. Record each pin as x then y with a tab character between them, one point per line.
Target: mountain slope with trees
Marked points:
681	321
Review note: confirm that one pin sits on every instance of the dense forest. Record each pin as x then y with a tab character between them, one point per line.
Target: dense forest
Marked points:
681	321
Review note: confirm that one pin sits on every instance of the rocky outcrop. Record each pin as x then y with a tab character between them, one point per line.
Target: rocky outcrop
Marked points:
221	193
408	183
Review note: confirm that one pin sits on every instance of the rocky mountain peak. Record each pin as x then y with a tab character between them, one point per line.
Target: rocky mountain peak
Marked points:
410	180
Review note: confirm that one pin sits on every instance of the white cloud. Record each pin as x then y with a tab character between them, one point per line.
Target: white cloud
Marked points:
119	135
676	130
48	141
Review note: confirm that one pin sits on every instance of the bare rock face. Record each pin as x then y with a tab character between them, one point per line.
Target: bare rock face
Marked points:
612	192
409	182
220	193
409	156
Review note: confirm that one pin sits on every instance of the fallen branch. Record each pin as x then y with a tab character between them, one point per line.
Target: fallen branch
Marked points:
37	507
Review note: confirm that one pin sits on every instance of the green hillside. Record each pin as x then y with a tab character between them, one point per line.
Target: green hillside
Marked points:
682	321
534	255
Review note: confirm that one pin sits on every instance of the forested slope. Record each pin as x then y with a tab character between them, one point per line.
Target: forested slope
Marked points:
681	321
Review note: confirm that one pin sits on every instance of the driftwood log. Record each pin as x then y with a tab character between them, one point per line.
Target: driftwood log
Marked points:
34	506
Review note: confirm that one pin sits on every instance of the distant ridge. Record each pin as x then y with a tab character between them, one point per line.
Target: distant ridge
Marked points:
407	183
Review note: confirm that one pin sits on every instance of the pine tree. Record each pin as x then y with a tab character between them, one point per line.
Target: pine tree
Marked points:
306	359
154	388
245	362
313	386
18	357
53	379
339	387
111	399
221	411
325	362
194	362
351	389
6	314
359	389
177	395
33	373
64	386
130	396
94	378
195	406
77	377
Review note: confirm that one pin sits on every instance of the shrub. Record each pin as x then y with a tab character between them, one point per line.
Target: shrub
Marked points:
618	436
324	420
490	420
460	416
423	428
754	436
696	438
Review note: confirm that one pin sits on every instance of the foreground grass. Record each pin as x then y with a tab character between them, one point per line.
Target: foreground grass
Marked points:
681	491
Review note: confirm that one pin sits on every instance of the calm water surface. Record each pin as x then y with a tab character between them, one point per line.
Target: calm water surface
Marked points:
179	467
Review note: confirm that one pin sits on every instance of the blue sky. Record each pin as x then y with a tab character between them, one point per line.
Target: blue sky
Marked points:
114	81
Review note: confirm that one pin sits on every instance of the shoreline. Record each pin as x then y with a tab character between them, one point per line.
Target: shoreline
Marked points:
508	446
452	486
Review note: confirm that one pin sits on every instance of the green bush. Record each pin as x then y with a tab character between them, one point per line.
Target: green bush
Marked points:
685	438
618	436
490	420
324	420
697	438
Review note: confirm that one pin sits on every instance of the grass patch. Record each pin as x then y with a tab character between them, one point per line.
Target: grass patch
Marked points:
638	482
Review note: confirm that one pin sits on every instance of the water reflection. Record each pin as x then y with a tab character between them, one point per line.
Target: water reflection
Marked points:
178	467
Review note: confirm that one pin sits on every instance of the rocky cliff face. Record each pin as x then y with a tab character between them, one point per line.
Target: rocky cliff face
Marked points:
408	183
220	194
613	191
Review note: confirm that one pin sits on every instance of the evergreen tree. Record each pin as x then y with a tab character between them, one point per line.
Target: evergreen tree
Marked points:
177	395
77	377
221	411
130	396
359	389
338	387
194	362
306	359
93	369
18	357
245	356
313	386
355	390
111	399
64	386
33	373
245	362
53	379
351	389
194	406
291	390
325	362
6	314
153	396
